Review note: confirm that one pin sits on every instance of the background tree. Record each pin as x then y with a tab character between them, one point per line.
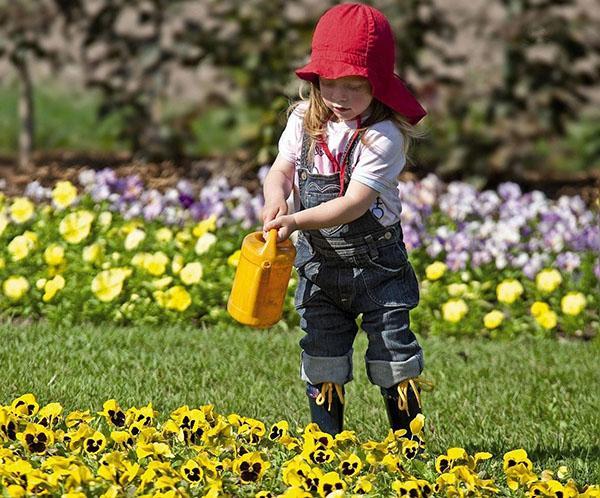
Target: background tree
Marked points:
25	26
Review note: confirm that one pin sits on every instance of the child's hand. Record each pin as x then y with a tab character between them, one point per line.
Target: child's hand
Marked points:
285	225
272	210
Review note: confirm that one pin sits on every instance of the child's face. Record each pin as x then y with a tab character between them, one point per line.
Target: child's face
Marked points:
347	97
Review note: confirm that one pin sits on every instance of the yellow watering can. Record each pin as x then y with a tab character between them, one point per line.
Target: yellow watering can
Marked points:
261	280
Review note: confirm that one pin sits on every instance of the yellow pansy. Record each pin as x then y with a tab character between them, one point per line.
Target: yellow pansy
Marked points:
191	273
105	219
19	247
51	287
182	239
573	303
509	291
92	253
108	284
177	298
250	467
207	225
76	226
493	319
435	270
330	483
54	255
15	287
548	319
21	210
156	264
454	310
204	243
548	280
456	290
177	263
538	308
36	438
163	235
134	239
64	194
234	259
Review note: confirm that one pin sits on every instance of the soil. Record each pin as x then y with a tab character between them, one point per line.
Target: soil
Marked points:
48	168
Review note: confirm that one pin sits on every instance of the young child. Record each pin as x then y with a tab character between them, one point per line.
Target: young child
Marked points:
341	153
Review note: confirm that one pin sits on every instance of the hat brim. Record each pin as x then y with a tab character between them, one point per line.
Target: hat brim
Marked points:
394	93
330	70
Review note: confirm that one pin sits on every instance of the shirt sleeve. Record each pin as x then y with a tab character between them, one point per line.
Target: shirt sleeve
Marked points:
381	159
291	138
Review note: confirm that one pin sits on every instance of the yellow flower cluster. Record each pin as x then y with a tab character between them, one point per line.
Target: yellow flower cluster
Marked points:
199	452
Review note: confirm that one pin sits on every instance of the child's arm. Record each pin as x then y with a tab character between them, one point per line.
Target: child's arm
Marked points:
355	202
277	188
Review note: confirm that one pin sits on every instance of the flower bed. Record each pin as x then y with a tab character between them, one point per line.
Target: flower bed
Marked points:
199	452
493	263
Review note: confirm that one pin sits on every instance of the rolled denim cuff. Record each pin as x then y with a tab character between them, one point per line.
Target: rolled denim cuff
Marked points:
389	373
318	369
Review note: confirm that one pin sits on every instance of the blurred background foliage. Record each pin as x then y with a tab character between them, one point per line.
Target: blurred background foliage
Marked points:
511	85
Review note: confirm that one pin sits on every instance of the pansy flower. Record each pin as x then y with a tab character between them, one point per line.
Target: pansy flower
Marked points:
295	471
49	415
250	467
114	467
249	429
410	449
264	494
19	247
113	413
122	439
144	415
363	486
192	472
75	439
21	210
518	469
15	287
76	226
94	443
108	284
350	466
36	438
64	194
8	425
407	488
25	405
78	417
330	483
52	286
279	432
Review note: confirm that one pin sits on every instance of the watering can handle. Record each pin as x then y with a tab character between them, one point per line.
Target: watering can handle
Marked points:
270	248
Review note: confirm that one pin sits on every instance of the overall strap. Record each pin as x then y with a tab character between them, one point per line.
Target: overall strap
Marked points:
305	161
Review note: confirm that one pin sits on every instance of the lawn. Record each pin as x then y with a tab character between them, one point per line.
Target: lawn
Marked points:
537	394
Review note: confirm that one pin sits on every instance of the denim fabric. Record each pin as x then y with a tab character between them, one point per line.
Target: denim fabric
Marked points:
358	268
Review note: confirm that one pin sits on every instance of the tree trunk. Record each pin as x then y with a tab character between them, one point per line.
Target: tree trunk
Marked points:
26	114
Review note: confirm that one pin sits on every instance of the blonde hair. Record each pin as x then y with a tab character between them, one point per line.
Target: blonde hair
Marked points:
317	114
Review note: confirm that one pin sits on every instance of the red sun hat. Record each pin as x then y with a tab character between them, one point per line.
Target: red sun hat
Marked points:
354	39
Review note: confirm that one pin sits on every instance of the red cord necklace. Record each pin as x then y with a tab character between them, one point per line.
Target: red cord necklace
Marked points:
341	165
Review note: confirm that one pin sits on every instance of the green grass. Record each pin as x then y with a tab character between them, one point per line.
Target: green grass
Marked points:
64	120
69	120
540	395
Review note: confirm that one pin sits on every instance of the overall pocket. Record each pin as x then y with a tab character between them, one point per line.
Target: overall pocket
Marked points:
390	279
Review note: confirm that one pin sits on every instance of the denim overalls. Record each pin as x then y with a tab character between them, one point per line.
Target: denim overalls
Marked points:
357	268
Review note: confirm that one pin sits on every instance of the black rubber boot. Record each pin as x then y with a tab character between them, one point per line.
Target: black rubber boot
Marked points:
400	419
329	417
